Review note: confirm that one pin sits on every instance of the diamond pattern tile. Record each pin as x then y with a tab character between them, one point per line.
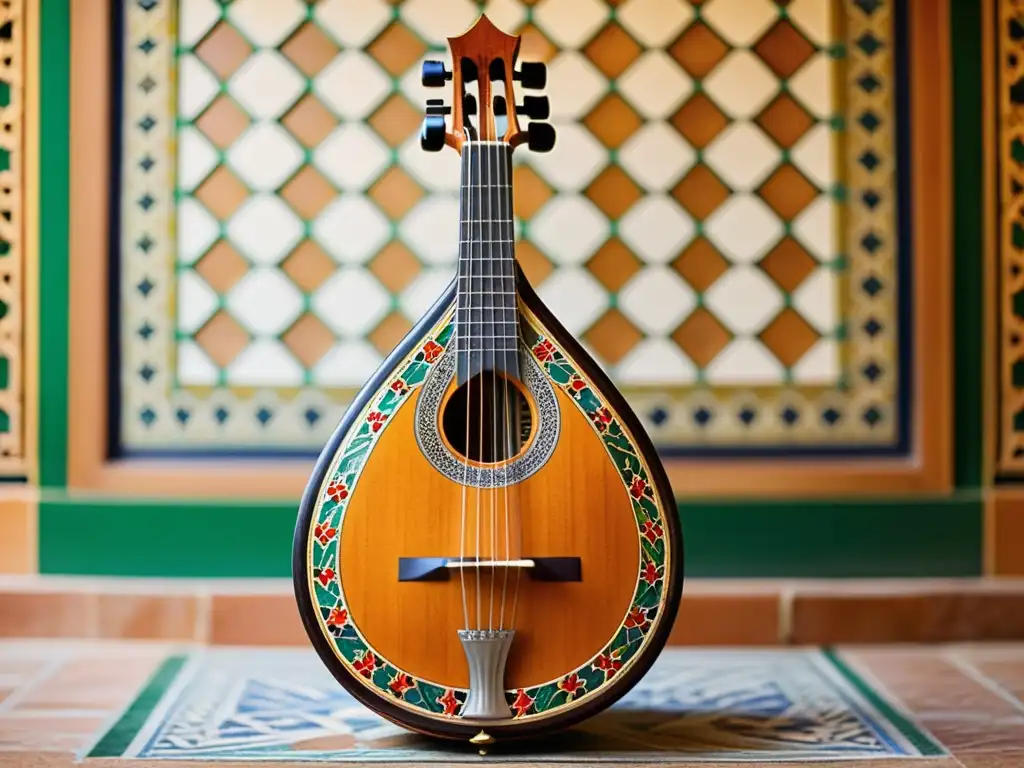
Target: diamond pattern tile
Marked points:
684	226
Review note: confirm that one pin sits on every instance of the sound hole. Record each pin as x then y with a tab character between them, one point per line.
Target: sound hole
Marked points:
487	419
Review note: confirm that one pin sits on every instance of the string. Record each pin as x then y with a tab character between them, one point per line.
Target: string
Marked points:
460	325
515	346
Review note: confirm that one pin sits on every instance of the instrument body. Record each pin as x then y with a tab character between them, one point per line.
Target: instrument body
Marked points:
488	547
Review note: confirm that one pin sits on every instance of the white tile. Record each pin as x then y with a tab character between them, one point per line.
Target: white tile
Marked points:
742	156
815	227
195	19
820	365
569	229
353	23
194	366
197	157
265	156
265	302
812	86
656	299
197	230
575	297
265	363
741	85
351	229
266	85
574	162
656	156
655	85
197	86
655	362
352	85
654	23
437	20
196	302
352	156
744	228
744	299
507	15
813	18
817	300
266	23
420	295
570	23
431	229
264	229
348	364
351	302
745	362
814	155
435	171
656	228
740	22
574	87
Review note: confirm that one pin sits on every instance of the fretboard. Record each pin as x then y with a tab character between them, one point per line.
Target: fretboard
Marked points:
486	317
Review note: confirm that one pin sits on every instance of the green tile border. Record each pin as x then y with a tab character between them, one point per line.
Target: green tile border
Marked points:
891	538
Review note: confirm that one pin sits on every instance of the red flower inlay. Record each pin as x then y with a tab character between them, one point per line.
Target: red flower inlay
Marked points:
522	703
377	420
651	530
431	351
337	491
608	664
337	618
602	417
572	684
650	573
366	665
399	684
323	533
576	384
638	487
325	576
637	619
399	386
544	350
449	702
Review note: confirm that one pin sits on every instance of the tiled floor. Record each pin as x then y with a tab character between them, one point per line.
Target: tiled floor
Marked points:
57	696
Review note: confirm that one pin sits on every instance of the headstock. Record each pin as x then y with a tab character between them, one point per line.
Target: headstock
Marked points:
487	56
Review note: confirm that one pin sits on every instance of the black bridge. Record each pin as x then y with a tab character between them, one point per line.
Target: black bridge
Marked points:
440	568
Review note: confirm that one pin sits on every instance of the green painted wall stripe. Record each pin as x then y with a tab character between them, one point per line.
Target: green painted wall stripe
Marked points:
882	538
55	51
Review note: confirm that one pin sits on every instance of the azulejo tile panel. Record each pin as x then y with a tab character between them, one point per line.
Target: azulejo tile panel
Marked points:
716	223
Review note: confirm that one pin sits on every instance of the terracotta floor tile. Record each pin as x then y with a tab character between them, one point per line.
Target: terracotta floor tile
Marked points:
988	760
1007	674
91	683
256	620
162	617
723	619
47	614
49	734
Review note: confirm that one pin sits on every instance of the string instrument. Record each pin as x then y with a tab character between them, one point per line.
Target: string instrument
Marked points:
488	547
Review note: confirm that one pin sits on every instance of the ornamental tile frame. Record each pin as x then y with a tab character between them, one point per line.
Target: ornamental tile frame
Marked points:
280	228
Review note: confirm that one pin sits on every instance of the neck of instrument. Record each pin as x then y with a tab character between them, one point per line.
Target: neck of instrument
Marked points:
487	322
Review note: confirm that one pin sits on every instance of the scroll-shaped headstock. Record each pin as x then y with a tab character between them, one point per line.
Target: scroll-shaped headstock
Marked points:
487	56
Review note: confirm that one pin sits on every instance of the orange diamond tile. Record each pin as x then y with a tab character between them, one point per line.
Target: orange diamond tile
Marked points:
699	121
613	336
309	49
699	50
223	50
222	338
308	266
535	46
785	121
789	337
536	266
784	49
613	192
222	193
396	120
701	264
394	266
309	121
700	192
308	192
309	340
223	122
612	121
392	329
614	264
222	267
613	50
788	264
395	193
530	192
396	49
788	192
701	337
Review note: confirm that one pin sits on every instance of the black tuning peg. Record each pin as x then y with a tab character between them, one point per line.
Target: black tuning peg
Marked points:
532	74
469	104
432	133
437	107
536	107
540	137
434	74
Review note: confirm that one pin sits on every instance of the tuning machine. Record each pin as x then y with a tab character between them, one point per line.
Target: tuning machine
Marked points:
434	75
533	107
532	75
540	137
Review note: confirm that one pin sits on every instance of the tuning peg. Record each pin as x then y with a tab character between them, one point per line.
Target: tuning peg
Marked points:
536	107
437	107
432	133
532	74
540	137
469	104
434	74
